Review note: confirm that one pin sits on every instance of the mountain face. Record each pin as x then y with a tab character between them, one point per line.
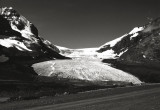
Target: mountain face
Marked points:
140	52
19	38
147	48
25	55
21	46
141	45
137	52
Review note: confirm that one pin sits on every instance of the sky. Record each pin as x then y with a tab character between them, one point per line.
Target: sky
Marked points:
85	23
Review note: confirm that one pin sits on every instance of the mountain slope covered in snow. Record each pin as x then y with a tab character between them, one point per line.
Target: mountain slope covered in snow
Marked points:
111	50
141	55
19	38
136	52
21	46
27	55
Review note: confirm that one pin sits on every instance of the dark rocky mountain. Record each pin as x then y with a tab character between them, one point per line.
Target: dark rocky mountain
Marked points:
19	38
22	52
21	46
142	52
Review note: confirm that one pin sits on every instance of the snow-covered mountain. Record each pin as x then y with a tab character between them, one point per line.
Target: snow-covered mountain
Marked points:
140	50
19	38
141	42
111	50
21	46
136	52
23	52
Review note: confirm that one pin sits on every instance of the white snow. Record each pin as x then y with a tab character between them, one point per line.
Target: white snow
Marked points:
109	54
89	52
3	9
135	32
134	35
13	43
75	53
61	48
26	33
144	56
10	8
92	52
122	53
136	29
84	69
114	42
52	69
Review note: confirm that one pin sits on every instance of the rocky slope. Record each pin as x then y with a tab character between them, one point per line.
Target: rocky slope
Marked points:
139	46
141	43
21	46
141	52
136	52
22	49
19	38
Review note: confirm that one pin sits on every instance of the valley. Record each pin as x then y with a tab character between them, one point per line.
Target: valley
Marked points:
34	72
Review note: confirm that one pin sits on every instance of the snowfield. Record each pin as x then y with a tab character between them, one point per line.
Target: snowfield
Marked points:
14	43
92	52
84	64
114	42
87	52
83	69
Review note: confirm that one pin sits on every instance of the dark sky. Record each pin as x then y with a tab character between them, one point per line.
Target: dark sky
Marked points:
85	23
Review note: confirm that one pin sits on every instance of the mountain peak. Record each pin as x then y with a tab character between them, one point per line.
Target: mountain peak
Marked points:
19	37
18	22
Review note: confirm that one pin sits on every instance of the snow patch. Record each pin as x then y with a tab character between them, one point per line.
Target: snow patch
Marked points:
26	33
13	43
134	35
114	42
136	29
75	53
122	53
52	69
144	56
109	54
88	52
61	48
